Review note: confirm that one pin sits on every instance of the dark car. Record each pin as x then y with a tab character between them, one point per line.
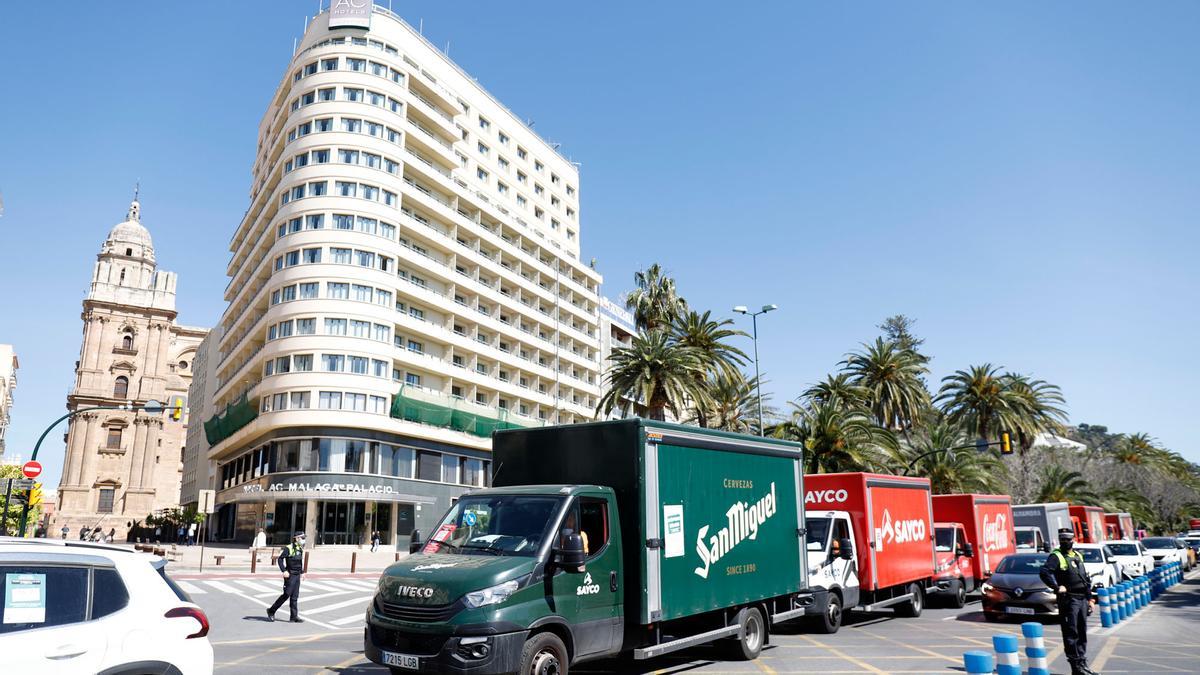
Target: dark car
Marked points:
1015	589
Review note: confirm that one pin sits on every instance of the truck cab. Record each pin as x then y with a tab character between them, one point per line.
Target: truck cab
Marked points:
954	576
503	562
832	566
1029	538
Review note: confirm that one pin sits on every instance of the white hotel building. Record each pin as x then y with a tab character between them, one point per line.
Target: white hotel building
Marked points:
405	280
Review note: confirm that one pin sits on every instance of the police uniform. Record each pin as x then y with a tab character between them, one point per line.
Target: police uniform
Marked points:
291	562
1066	569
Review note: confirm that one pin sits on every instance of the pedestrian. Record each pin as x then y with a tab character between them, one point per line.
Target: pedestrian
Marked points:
1064	571
83	533
192	534
112	534
375	541
65	531
180	534
158	534
291	563
260	539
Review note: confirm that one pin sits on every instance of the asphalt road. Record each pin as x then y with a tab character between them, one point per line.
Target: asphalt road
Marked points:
1161	638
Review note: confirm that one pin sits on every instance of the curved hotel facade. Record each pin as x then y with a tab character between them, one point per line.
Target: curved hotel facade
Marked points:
405	281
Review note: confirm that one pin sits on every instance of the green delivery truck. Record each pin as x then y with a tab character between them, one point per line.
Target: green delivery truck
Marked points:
627	538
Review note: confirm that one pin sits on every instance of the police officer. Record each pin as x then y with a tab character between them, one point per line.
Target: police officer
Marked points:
1064	571
291	563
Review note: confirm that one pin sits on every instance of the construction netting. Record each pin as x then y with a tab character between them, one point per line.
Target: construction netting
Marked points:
237	415
415	404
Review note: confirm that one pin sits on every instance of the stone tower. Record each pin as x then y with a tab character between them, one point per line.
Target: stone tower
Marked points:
122	465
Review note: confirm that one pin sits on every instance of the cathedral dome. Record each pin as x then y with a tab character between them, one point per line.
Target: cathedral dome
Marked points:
130	238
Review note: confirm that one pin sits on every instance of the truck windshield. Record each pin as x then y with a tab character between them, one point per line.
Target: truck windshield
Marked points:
495	525
818	532
1026	538
944	539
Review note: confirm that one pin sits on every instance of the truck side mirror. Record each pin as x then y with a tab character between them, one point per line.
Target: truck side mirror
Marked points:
1046	547
969	550
569	555
846	551
414	544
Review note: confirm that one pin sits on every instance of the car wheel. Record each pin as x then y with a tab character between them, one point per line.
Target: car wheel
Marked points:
913	607
544	654
960	597
831	620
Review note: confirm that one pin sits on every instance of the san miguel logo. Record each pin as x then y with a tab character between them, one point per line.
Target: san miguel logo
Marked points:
898	532
995	533
744	519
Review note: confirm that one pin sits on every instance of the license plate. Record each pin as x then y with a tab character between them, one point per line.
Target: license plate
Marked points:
1019	610
401	660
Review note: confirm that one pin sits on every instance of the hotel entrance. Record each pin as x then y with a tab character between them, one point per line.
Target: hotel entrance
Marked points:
341	523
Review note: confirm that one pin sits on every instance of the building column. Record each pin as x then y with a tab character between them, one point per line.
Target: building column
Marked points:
310	522
93	330
86	452
153	428
137	452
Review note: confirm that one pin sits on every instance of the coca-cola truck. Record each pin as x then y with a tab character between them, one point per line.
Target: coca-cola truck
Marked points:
869	543
972	532
1120	525
1089	523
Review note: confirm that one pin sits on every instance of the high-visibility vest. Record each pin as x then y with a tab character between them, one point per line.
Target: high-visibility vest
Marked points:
1062	561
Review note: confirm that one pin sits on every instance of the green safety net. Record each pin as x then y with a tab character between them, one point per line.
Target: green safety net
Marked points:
237	415
426	407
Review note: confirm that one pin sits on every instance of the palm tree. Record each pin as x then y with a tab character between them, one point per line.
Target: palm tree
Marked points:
836	435
655	302
708	338
980	401
1036	403
732	404
892	377
1138	450
653	371
1061	485
837	386
950	470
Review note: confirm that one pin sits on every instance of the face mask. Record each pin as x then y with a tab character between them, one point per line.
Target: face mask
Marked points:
1066	545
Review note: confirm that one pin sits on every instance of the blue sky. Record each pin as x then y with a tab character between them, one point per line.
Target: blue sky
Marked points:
1021	179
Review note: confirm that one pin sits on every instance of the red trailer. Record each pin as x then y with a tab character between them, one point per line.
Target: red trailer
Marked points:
1091	523
892	521
1194	524
986	522
1122	523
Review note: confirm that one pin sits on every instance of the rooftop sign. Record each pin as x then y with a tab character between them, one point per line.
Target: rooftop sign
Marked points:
350	13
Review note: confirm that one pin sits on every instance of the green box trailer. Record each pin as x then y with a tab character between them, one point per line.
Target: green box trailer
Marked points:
625	537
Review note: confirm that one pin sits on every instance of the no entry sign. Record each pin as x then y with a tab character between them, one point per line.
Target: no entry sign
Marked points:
32	469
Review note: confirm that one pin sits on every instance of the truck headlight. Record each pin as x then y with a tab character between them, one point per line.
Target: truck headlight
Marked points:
493	595
986	587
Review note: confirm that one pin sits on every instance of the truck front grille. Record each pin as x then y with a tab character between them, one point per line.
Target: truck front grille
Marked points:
408	643
417	613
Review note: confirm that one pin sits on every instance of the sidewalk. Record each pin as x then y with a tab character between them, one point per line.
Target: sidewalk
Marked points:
235	558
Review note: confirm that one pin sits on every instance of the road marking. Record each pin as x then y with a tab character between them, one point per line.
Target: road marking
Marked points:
339	605
223	587
347	619
319	585
342	584
189	588
304	598
255	586
1105	652
348	662
364	585
846	657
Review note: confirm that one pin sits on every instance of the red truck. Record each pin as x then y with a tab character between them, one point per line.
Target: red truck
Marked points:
1119	526
1089	523
972	532
887	522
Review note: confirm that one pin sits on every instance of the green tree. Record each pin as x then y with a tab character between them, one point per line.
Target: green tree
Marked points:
12	516
733	403
937	454
837	386
654	302
980	401
892	378
709	340
837	436
1061	485
1037	407
655	372
898	329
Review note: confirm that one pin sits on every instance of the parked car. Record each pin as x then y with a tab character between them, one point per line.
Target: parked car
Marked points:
1101	565
1192	540
1165	550
1133	557
1188	552
1015	589
77	607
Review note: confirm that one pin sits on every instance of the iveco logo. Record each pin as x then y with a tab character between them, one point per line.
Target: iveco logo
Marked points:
414	592
822	496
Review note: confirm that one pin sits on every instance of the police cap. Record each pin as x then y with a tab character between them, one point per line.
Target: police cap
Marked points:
1066	533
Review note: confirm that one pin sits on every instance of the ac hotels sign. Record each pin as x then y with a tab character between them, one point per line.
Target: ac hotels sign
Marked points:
350	13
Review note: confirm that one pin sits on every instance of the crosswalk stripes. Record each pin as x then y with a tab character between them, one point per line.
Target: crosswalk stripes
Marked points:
345	599
221	586
256	586
362	600
347	619
190	589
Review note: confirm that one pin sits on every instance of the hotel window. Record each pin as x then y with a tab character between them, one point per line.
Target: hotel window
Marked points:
383	297
310	69
413	379
348	156
379	69
285	328
335	326
372	161
378	405
329	64
289	293
315	222
429	465
330	400
483	149
304	129
105	505
300	399
312	255
114	438
502	188
340	256
275	297
483	175
302	363
346	189
301	160
351	125
503	163
522	153
333	363
376	98
520	201
338	290
570	191
503	138
379	368
324	124
382	333
416	313
306	326
417	347
364	258
343	222
322	156
283	364
309	98
390	166
363	293
538	166
358	365
389	198
360	328
357	402
538	189
375	129
481	398
358	65
484	124
370	192
394	105
326	94
280	402
521	177
397	76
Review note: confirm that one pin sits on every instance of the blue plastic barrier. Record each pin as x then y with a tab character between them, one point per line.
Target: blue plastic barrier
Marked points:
977	662
1007	658
1035	647
1105	610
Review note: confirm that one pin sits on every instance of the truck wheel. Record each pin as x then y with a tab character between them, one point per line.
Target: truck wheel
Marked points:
831	620
544	654
753	634
960	596
913	607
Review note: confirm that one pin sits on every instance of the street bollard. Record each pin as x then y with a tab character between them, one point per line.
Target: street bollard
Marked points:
353	561
1114	603
306	562
1105	610
977	662
1007	660
1134	603
397	557
1035	647
1128	599
1145	591
1123	600
253	560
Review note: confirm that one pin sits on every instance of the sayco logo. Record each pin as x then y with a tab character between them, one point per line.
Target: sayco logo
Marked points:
995	533
825	496
743	522
899	532
588	588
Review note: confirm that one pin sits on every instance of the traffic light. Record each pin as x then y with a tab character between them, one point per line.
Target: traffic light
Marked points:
35	495
1005	444
177	408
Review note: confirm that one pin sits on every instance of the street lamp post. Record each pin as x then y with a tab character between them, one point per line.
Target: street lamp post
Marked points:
741	309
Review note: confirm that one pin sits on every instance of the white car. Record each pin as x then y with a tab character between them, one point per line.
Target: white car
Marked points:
1134	559
76	607
1165	550
1103	569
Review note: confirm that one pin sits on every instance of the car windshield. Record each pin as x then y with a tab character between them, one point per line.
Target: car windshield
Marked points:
495	525
817	532
1123	549
1021	564
1158	542
944	539
1092	555
1027	538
